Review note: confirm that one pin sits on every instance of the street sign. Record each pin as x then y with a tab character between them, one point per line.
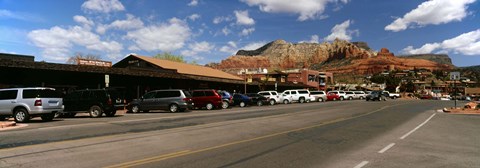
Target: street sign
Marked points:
107	80
454	75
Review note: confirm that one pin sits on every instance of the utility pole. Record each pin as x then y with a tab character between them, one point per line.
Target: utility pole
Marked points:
454	76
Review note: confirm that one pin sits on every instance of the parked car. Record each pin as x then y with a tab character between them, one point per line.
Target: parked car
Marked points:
96	102
426	96
360	94
333	96
341	94
227	98
241	100
393	95
207	98
300	96
319	96
273	96
257	99
377	95
26	103
350	95
172	100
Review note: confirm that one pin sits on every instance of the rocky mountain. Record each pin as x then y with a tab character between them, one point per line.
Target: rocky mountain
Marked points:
439	58
339	57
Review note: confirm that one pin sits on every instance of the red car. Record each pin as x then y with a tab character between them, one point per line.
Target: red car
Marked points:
208	98
333	97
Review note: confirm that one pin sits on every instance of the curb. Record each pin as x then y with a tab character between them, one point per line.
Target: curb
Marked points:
7	124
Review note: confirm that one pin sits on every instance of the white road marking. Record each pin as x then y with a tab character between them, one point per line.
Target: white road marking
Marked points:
416	128
361	164
386	148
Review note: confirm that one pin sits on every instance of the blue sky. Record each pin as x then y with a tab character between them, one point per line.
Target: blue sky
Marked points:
211	30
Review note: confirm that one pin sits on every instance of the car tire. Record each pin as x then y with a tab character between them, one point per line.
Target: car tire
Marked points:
334	99
301	100
341	98
225	104
47	117
95	111
111	113
361	97
259	103
285	101
21	115
209	106
271	102
135	109
350	98
173	108
242	104
320	99
394	97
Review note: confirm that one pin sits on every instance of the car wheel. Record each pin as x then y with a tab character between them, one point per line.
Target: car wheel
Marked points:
259	103
394	97
135	109
242	104
111	113
21	115
350	98
272	102
47	117
95	111
209	106
334	99
384	99
302	100
361	98
225	105
173	108
320	99
341	98
285	101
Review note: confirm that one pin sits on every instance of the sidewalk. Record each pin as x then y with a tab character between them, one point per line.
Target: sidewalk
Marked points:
5	124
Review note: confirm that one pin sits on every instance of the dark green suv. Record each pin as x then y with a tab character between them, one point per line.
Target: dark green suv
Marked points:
95	102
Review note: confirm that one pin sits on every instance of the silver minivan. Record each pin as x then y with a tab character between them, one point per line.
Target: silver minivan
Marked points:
173	100
26	103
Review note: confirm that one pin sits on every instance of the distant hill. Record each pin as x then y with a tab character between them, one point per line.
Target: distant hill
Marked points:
340	56
439	58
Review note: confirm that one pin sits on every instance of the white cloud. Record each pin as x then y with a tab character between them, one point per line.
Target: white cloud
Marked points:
431	12
254	45
307	9
165	37
243	18
196	48
226	31
341	31
220	19
56	42
193	3
466	43
313	39
103	6
246	32
87	23
130	23
230	48
194	17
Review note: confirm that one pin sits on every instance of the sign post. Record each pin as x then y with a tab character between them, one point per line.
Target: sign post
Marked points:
107	80
455	76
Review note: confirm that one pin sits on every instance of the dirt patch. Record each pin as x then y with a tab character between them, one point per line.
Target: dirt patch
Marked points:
468	108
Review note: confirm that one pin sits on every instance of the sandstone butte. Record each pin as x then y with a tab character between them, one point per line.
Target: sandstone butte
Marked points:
325	57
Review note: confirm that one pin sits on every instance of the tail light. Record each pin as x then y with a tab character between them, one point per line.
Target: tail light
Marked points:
187	99
38	102
109	101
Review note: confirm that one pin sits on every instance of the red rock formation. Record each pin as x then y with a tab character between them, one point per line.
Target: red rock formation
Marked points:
385	53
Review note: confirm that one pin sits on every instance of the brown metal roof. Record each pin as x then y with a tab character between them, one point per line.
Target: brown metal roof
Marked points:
189	69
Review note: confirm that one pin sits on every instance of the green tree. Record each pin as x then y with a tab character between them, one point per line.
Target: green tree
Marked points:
170	57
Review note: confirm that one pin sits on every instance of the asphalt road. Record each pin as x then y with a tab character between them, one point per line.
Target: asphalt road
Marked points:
396	133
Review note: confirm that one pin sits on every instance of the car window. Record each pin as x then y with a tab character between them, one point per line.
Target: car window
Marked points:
74	95
264	94
198	94
39	93
186	93
209	93
303	92
8	94
274	93
165	94
149	95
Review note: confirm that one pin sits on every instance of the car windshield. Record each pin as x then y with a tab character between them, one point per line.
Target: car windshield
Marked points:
40	93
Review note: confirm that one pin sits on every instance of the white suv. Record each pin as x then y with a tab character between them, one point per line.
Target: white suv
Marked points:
272	96
300	96
360	94
319	96
25	103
